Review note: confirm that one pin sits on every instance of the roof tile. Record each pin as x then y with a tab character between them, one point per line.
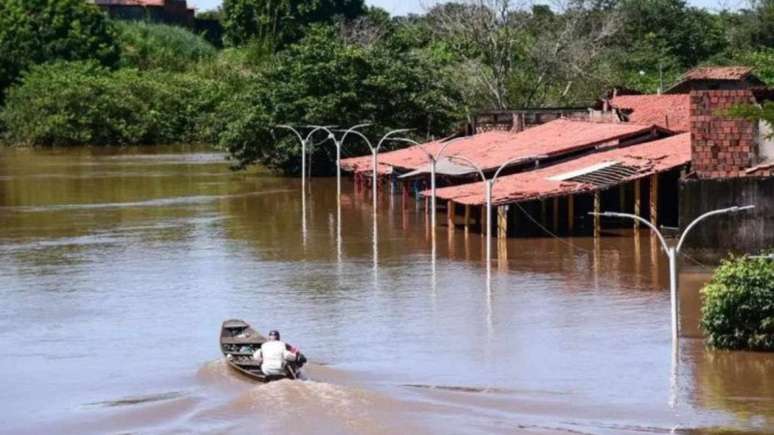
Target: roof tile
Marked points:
647	158
668	111
492	149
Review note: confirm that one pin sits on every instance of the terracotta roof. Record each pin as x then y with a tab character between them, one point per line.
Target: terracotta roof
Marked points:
718	73
130	2
413	157
668	111
490	150
634	161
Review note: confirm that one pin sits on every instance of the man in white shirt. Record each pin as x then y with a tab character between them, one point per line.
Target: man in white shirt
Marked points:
274	356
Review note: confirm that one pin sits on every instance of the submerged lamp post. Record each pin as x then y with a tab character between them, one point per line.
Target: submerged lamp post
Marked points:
304	142
433	158
374	151
673	251
488	187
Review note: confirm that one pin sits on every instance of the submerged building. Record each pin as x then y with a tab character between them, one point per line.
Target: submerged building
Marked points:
174	12
667	158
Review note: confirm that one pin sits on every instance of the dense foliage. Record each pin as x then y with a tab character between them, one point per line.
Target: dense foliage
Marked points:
157	46
738	311
76	76
348	84
73	103
278	22
37	31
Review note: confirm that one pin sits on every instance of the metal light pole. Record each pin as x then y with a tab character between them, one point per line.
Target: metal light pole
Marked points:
374	152
673	251
488	187
304	142
433	158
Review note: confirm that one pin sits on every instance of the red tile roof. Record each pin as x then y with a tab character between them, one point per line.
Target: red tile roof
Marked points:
490	150
718	73
413	157
647	158
668	111
130	2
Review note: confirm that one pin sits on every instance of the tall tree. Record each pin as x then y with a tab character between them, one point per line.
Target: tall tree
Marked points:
37	31
279	22
323	79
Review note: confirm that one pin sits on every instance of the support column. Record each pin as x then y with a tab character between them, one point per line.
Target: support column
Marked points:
622	198
467	218
502	222
637	202
405	194
570	214
597	208
654	199
450	212
555	223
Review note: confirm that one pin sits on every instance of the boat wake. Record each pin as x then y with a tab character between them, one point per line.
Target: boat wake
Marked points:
319	405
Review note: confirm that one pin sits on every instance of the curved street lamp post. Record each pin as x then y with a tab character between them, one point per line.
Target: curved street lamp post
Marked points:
673	251
488	187
433	158
374	151
304	142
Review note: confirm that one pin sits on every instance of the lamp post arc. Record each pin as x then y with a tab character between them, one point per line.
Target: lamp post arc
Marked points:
304	142
673	251
374	151
433	158
488	186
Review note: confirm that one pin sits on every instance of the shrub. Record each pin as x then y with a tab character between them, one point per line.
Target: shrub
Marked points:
37	31
148	46
738	311
77	103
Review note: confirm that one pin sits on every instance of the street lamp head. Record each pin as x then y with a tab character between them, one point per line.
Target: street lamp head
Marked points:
742	208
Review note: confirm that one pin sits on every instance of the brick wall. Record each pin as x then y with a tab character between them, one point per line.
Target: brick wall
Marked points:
721	147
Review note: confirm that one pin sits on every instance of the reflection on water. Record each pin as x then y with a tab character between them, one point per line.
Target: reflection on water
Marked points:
117	268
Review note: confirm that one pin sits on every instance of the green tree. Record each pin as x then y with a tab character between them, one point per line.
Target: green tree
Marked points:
37	31
149	46
688	34
322	79
279	22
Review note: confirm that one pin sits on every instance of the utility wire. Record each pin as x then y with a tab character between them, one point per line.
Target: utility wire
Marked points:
547	231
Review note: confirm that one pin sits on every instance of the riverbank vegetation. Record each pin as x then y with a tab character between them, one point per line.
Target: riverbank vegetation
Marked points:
87	79
738	310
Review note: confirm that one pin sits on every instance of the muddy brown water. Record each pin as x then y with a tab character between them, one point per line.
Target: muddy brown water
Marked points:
118	266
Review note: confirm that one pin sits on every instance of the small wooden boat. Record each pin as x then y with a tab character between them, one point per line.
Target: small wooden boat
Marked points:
239	341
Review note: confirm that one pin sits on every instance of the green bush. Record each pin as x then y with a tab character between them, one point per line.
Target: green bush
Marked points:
81	103
738	311
38	31
159	46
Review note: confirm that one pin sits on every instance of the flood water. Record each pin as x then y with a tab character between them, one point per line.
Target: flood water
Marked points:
118	267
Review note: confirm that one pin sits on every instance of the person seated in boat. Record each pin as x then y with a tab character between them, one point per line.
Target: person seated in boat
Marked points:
274	356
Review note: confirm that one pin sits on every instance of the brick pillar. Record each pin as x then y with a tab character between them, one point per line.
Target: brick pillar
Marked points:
721	146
